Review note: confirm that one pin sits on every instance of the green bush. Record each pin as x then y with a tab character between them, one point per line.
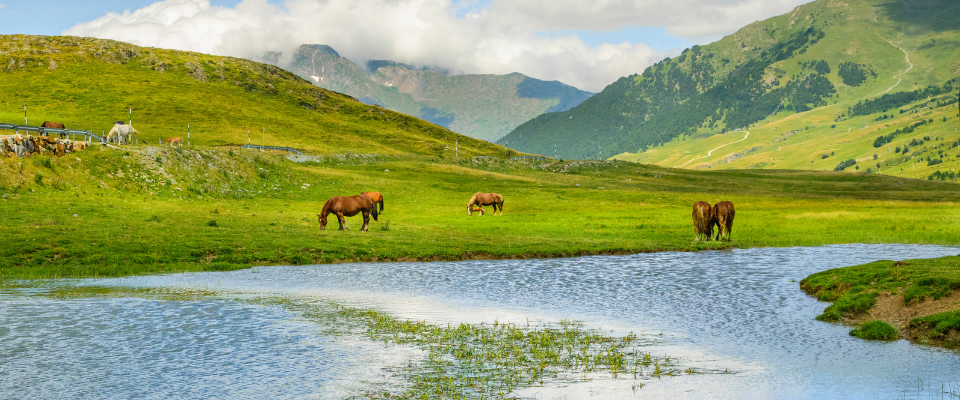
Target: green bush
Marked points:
875	330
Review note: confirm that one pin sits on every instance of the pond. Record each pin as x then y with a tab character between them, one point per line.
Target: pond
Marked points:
739	310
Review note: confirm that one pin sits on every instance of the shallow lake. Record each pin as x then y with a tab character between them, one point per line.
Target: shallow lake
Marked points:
738	310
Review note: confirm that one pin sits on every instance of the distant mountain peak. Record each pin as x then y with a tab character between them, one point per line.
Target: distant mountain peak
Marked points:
484	106
372	66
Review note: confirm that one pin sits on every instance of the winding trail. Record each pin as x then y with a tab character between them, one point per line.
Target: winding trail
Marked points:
899	79
907	57
715	149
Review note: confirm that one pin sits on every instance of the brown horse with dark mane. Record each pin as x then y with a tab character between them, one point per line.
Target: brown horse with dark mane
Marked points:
56	125
703	220
723	214
376	197
348	207
485	199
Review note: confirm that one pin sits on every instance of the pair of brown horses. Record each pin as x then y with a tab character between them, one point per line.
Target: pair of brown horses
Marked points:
342	206
705	217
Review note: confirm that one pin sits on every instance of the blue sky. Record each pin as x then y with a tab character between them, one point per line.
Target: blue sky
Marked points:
51	17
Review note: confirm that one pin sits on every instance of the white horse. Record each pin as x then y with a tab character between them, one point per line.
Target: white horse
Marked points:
121	134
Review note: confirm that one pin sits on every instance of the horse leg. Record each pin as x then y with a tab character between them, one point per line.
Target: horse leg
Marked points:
342	221
366	221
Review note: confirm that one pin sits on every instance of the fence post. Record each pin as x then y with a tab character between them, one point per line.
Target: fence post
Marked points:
263	139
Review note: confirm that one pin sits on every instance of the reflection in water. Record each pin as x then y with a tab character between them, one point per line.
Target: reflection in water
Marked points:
739	309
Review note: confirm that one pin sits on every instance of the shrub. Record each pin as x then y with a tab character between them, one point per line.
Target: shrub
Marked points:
844	165
875	330
212	223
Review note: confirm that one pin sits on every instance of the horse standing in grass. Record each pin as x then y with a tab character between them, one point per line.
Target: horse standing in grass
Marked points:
174	140
121	133
376	197
347	207
57	125
702	220
723	213
485	199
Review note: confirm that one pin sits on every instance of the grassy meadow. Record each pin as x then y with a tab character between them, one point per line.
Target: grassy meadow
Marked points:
149	209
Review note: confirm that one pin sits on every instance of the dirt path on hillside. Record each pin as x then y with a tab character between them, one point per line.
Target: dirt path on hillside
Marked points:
907	57
711	151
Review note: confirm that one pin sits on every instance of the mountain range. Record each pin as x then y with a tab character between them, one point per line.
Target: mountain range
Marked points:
481	106
820	61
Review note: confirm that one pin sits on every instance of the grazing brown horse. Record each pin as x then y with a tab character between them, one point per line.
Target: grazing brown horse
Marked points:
51	124
485	199
702	220
723	213
376	197
174	140
348	207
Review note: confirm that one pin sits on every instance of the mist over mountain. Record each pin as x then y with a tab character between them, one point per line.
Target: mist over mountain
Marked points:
480	106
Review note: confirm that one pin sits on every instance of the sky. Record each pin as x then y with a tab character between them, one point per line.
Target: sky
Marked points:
584	43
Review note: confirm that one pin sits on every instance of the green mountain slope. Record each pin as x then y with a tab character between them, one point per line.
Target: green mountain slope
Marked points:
819	54
481	106
89	83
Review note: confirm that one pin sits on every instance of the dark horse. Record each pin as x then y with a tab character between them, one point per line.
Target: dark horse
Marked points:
723	214
348	207
376	197
57	125
703	220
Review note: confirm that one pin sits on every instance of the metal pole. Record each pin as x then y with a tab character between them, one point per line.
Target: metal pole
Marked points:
25	114
188	134
456	148
263	139
131	116
248	136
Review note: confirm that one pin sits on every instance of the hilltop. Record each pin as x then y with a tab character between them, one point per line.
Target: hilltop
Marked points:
481	106
89	83
809	67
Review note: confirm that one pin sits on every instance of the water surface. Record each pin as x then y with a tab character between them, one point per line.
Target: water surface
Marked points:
740	310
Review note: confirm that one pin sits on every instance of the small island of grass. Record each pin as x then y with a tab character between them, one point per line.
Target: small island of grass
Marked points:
913	299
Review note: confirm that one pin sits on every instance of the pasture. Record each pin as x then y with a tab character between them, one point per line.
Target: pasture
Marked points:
150	209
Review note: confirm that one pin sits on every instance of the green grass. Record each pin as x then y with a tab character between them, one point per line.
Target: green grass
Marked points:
875	330
89	83
942	328
138	215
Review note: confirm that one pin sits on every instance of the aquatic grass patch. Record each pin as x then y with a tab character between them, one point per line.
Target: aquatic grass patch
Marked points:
875	330
491	360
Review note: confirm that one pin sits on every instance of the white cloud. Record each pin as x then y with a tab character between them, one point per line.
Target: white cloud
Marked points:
504	37
2	6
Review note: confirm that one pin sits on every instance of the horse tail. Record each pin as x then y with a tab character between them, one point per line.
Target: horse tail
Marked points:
373	211
381	203
501	204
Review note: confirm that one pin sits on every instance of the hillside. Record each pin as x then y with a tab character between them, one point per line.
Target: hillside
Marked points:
820	54
89	83
480	106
